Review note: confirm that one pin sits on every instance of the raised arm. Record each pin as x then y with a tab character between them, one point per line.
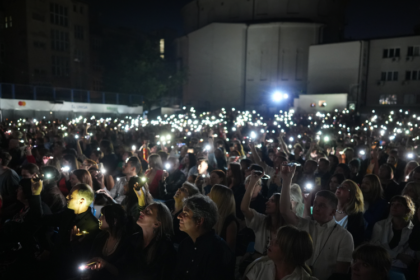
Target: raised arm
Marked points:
256	156
286	174
246	200
283	145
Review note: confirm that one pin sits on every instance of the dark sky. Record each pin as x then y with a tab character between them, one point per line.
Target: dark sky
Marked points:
366	18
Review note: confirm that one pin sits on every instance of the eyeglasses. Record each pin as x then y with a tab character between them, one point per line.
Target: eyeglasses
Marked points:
343	188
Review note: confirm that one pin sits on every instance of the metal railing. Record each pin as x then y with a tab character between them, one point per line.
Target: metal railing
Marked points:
29	92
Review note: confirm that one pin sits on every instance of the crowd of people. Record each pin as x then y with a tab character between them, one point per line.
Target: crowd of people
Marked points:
219	195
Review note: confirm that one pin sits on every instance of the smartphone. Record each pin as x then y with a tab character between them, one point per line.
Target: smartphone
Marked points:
180	145
190	151
258	172
293	164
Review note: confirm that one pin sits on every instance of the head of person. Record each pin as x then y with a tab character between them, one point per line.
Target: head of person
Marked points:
24	191
297	150
333	159
278	161
395	154
157	216
323	165
186	190
391	160
96	156
238	147
132	166
29	170
70	161
80	176
409	168
225	202
370	262
343	169
292	246
171	164
234	174
202	166
351	196
325	205
88	163
5	158
412	190
371	188
257	188
354	166
415	175
349	152
272	206
189	160
80	198
217	177
245	163
309	167
335	181
113	220
155	162
401	206
220	153
386	172
199	215
57	148
296	199
106	147
163	155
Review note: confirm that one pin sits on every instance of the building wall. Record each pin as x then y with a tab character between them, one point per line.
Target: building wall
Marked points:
199	13
277	59
29	44
336	68
216	65
407	93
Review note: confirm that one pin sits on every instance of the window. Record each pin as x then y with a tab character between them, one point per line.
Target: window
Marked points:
389	76
162	48
412	75
78	32
409	99
59	40
60	66
390	99
1	53
8	23
413	51
78	56
39	45
59	15
390	53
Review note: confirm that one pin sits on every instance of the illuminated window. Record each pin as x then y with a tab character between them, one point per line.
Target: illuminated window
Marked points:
390	99
162	48
8	22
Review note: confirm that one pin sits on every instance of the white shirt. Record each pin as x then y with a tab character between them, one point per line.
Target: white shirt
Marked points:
332	244
265	269
117	192
382	234
262	234
343	222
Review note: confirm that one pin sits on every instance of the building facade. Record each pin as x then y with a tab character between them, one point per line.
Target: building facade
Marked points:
238	52
45	43
375	73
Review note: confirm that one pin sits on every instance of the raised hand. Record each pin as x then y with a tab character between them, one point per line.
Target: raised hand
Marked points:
36	186
287	172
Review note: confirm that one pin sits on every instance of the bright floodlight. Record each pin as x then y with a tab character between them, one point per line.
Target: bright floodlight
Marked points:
278	96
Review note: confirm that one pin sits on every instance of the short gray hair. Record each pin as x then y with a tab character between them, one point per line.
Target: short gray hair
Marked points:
202	207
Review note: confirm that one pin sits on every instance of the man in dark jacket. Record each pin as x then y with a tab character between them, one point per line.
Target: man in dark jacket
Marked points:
77	228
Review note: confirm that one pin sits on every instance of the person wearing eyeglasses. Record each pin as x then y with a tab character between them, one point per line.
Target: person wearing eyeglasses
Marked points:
349	212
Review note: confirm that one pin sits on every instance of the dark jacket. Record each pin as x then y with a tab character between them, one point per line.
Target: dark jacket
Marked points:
356	226
209	258
172	183
137	263
376	212
414	240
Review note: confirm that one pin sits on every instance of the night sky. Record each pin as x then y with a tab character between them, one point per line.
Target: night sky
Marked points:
366	18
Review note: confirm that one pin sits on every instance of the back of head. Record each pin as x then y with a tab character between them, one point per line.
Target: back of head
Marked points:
295	244
5	158
203	208
375	256
83	176
86	192
31	168
192	189
375	191
50	173
106	146
345	168
356	202
155	161
26	187
332	199
135	162
116	219
225	202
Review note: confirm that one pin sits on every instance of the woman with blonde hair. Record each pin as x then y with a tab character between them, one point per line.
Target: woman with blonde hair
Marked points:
393	233
350	207
296	199
285	258
376	207
154	174
227	225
